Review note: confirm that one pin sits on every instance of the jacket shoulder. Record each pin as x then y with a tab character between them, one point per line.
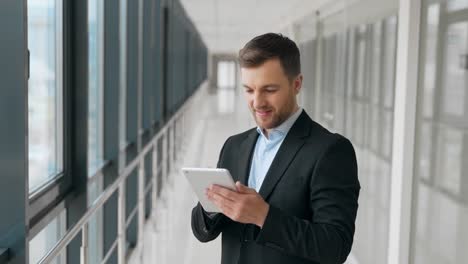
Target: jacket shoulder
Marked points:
320	136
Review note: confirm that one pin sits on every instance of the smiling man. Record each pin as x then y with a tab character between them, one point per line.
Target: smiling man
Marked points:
297	184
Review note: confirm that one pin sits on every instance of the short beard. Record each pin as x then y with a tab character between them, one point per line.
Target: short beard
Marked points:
276	122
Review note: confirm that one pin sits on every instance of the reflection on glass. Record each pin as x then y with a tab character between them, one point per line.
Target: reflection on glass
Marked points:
308	69
440	213
376	62
44	91
449	162
387	134
47	238
455	5
391	27
432	30
374	132
361	61
366	66
425	151
227	74
95	85
456	75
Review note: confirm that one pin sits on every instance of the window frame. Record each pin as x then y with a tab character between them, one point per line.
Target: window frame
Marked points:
42	202
59	101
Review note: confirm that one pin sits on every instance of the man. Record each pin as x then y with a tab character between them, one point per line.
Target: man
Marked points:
301	201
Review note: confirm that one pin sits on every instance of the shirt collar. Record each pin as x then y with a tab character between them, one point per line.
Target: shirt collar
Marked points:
284	128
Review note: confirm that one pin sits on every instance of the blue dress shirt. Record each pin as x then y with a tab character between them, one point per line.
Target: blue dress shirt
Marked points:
266	149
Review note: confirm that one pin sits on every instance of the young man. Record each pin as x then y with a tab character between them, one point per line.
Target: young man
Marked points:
297	185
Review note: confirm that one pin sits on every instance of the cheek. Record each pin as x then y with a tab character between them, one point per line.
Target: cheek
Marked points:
249	100
276	101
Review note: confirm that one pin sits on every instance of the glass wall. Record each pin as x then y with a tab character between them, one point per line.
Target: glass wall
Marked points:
47	238
440	214
95	123
308	52
45	130
353	88
95	230
95	84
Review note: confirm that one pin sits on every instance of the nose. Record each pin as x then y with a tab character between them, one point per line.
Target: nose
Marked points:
259	101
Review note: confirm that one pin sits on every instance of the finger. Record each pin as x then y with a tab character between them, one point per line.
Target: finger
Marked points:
215	197
210	192
244	189
227	193
222	203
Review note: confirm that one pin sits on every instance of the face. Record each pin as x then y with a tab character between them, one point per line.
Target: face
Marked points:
271	96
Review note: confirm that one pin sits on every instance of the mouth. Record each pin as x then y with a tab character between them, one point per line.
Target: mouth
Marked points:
263	113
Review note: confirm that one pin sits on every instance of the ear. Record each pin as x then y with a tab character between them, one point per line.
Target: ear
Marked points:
297	83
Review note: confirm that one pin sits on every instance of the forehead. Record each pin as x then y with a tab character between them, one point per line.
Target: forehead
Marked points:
270	71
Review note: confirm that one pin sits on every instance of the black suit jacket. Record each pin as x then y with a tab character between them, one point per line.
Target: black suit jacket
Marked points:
312	189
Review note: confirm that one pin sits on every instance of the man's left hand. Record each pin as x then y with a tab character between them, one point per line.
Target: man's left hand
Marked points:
244	206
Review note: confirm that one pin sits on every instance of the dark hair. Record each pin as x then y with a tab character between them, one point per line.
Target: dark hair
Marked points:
271	46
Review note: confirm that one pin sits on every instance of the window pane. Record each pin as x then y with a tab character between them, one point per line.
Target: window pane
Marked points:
376	62
391	28
361	62
432	31
95	231
454	5
95	59
47	238
424	165
440	191
455	74
373	135
449	160
44	91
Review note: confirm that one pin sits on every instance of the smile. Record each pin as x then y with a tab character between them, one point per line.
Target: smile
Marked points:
263	113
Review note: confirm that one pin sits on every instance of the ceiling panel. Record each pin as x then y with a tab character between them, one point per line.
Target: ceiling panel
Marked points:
226	25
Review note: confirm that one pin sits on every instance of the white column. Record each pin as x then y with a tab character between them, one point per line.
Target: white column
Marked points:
404	130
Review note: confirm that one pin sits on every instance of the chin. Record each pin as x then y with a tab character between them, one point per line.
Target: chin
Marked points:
264	125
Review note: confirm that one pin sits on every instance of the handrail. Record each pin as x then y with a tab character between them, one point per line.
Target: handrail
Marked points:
81	225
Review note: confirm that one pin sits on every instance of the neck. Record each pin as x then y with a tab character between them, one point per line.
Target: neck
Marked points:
267	131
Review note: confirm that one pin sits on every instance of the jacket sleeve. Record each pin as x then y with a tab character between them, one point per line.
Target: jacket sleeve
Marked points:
208	227
334	189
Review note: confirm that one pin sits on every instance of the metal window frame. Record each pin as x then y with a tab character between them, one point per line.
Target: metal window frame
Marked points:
42	201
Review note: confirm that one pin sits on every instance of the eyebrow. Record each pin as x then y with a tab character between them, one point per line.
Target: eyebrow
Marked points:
264	86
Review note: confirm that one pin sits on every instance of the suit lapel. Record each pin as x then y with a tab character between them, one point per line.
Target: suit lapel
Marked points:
246	150
293	142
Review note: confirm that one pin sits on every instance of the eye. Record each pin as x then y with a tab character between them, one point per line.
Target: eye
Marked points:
249	91
271	89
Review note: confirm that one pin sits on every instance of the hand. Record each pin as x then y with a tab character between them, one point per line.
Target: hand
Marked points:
244	206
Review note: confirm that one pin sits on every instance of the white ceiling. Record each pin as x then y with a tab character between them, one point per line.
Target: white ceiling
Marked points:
226	25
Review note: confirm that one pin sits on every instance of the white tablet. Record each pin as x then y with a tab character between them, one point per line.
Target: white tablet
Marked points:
202	178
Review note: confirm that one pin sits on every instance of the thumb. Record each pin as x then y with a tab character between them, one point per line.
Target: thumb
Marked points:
244	189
